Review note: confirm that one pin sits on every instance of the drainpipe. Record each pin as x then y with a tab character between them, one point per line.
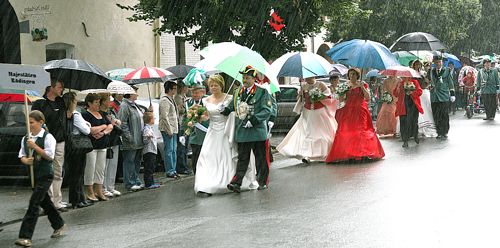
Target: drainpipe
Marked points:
157	50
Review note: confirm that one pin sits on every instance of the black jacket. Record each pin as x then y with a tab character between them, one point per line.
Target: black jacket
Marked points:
55	116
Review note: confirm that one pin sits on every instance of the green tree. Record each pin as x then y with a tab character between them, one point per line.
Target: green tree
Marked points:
244	22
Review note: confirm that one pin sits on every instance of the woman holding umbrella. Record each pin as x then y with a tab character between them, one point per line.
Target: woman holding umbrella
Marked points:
355	138
408	106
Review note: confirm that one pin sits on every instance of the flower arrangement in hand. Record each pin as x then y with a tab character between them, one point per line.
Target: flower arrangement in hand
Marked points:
316	95
341	91
243	110
387	98
409	87
195	114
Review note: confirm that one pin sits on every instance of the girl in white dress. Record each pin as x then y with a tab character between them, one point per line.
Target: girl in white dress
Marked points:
311	138
218	156
426	126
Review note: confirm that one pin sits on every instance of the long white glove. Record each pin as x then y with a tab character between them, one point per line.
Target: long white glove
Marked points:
248	125
182	139
270	124
452	98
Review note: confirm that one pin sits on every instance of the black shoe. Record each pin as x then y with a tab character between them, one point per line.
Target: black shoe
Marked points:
405	144
439	137
445	136
262	187
185	172
174	176
88	203
417	140
203	194
486	119
306	160
62	210
234	187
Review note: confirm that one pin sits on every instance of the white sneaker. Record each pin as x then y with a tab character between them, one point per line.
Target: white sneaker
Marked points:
108	194
135	188
116	193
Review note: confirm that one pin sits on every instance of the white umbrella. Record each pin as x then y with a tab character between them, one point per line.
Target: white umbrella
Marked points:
115	87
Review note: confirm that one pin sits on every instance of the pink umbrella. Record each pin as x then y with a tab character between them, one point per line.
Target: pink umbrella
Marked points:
147	75
400	71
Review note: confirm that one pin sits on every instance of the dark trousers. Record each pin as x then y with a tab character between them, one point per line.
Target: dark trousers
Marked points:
75	170
259	150
196	149
490	104
409	122
149	168
441	117
40	198
182	160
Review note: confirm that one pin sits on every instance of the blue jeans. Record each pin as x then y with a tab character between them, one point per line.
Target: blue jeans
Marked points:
170	151
131	167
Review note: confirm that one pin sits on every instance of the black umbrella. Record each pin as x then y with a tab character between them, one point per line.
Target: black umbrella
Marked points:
417	41
77	74
180	71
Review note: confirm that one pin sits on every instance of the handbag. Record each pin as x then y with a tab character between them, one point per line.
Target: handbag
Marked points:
78	143
109	153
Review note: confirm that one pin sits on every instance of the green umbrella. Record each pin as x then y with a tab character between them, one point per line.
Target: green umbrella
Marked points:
404	57
232	58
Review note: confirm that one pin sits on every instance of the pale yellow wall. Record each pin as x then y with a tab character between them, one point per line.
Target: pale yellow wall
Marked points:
113	40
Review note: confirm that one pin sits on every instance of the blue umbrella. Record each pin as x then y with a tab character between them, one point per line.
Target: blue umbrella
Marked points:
362	54
373	73
452	59
302	65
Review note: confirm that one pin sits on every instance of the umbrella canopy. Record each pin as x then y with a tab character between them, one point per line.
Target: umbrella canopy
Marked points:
425	56
301	65
77	74
400	71
405	57
417	41
147	75
450	58
195	76
118	74
202	64
362	54
232	58
180	71
115	87
13	95
339	69
463	72
373	73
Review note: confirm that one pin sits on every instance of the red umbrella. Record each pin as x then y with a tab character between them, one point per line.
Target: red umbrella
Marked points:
147	75
400	71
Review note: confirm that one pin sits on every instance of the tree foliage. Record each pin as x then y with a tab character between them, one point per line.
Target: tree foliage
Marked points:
245	22
385	21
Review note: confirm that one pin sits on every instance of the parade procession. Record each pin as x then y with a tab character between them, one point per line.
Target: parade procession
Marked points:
318	123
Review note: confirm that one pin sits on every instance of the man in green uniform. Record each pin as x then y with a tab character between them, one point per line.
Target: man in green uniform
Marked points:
487	83
252	105
442	93
197	137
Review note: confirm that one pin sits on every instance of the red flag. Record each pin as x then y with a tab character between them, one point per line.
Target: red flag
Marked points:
276	22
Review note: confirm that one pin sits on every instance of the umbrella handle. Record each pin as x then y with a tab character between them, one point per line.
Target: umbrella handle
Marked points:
231	86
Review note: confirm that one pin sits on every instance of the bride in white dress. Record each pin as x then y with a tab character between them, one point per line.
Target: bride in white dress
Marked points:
218	156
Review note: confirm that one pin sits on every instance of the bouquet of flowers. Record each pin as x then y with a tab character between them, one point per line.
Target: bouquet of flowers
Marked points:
387	98
316	95
341	91
195	114
409	88
243	110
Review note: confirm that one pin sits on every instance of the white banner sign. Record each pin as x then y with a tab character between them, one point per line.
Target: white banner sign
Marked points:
24	77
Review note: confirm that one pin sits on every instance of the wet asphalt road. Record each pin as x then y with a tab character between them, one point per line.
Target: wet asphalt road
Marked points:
436	194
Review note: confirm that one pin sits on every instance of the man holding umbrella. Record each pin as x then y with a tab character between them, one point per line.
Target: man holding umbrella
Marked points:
54	110
442	93
487	83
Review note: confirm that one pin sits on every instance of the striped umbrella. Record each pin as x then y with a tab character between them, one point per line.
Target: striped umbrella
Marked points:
195	76
302	65
147	75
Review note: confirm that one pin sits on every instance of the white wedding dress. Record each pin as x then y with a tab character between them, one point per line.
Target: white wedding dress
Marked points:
426	126
219	155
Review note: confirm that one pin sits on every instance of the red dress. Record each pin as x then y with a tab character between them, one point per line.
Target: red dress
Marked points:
355	137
